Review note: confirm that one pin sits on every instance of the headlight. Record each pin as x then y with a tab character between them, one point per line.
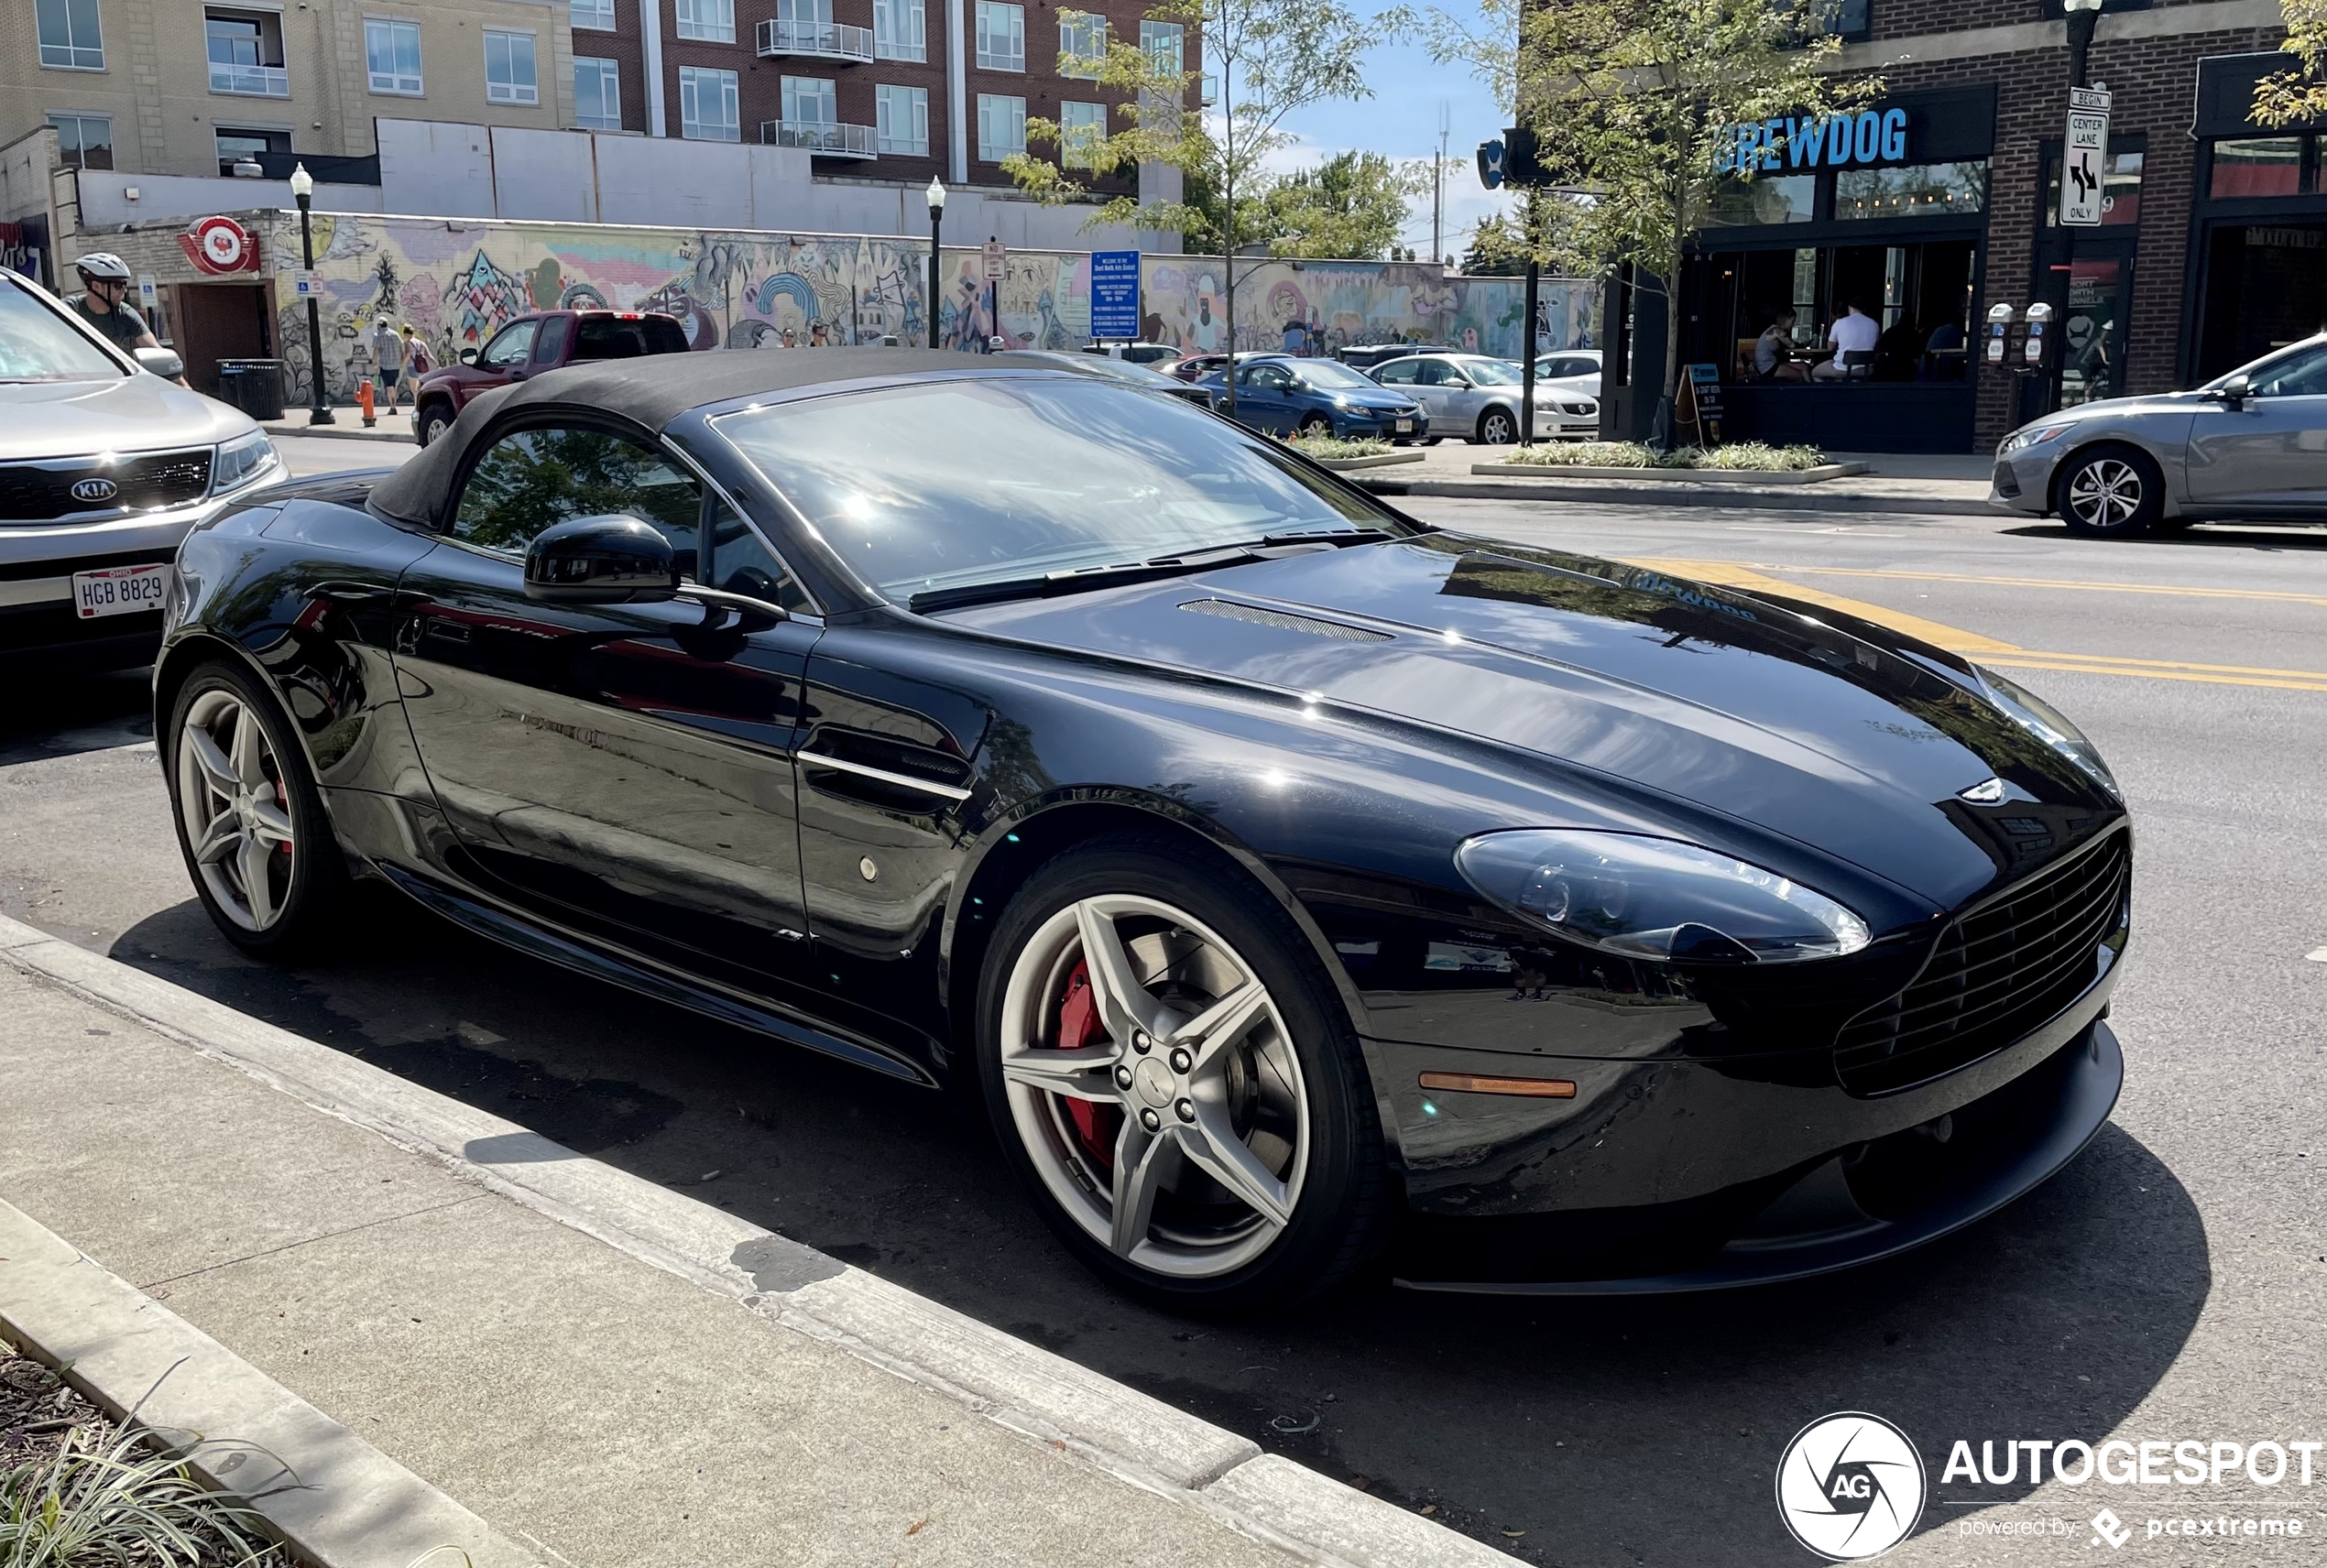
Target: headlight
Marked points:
2045	721
1656	899
2020	440
243	460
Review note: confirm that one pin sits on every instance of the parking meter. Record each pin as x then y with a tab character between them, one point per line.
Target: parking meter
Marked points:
2039	334
1999	331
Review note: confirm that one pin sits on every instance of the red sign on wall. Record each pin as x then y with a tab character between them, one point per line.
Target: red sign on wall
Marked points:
217	245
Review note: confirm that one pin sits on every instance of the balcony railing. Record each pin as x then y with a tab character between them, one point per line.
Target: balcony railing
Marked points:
257	80
825	138
816	40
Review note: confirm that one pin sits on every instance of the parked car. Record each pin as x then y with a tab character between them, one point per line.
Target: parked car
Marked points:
1289	875
1476	398
1156	355
1196	367
1121	370
105	465
1576	370
1366	357
2248	444
533	344
1316	397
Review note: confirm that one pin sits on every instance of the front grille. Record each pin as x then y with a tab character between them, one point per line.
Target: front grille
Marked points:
1998	972
42	491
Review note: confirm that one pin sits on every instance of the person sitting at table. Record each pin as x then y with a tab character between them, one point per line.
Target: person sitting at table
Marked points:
1853	332
1943	352
1897	350
1774	352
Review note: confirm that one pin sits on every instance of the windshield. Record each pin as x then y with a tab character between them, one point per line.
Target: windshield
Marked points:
980	479
2291	372
1491	372
1325	373
36	344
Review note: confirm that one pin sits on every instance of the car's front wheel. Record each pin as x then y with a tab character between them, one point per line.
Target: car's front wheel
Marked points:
251	824
2110	492
1317	425
1169	1074
434	421
1497	428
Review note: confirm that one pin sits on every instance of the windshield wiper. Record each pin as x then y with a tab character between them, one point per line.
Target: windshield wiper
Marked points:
1051	584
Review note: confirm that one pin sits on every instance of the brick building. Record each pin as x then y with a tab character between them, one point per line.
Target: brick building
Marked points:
889	91
1938	201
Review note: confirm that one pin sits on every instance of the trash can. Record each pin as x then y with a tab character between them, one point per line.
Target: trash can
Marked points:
253	386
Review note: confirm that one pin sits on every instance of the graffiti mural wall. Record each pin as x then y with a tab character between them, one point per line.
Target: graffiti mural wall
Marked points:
457	281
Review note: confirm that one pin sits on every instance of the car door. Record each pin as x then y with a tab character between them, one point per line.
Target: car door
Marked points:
1440	389
502	360
623	769
2268	451
550	344
1264	397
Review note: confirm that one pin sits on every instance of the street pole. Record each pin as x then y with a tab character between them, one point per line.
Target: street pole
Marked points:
2082	17
993	311
1527	366
936	194
302	186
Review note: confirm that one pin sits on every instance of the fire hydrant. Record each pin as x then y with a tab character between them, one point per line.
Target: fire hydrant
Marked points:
364	400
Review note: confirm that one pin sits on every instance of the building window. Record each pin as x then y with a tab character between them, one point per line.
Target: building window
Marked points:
392	53
1165	44
1001	127
1911	190
1082	44
712	21
84	141
1081	127
69	39
2256	165
508	68
901	117
591	15
246	52
1785	199
1002	36
899	31
234	145
597	94
809	101
707	106
1841	19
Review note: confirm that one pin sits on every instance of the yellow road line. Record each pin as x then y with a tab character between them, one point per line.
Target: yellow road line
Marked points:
2190	592
1728	574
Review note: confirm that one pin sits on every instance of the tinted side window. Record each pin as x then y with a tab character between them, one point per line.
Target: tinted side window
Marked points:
1398	372
510	348
612	337
740	564
2296	375
551	340
530	479
1432	373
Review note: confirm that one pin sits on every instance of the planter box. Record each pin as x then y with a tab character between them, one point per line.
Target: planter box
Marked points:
1670	475
1379	459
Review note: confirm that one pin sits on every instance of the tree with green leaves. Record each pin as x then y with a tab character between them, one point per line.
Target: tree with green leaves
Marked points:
1637	108
2293	96
1352	204
1267	59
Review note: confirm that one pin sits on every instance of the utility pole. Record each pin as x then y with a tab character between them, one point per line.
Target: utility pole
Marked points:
1438	189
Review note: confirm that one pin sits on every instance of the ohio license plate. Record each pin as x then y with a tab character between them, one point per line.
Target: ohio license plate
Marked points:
1405	427
118	591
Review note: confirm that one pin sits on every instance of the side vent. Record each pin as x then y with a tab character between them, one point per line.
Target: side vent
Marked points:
1230	611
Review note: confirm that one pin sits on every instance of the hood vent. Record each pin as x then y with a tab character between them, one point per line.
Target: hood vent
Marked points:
1228	610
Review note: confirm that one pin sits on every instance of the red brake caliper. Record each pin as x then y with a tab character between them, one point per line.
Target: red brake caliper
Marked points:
1078	1025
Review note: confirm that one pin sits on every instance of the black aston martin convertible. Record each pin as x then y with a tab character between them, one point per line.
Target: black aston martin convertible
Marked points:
1299	885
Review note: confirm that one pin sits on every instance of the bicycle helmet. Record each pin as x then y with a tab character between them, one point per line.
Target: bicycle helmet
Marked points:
103	264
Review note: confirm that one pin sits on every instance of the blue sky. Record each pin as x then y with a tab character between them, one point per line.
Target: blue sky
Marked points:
1400	122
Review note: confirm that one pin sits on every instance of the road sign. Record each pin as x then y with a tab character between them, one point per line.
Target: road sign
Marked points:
996	260
2084	150
1115	294
148	295
306	284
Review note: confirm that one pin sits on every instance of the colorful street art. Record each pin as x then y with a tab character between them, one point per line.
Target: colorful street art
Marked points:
457	281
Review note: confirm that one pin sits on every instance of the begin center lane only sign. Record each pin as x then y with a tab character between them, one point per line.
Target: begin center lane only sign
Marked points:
2084	155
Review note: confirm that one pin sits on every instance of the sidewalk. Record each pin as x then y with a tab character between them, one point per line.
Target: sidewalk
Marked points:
1946	483
347	424
602	1369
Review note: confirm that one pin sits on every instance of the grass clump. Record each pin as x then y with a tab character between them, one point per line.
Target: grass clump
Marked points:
1738	456
1334	446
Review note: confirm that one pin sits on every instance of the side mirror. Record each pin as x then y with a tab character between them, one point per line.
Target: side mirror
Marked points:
610	559
2235	390
468	356
162	362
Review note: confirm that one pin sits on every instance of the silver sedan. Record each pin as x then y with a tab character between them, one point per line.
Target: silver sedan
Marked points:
2249	444
1476	398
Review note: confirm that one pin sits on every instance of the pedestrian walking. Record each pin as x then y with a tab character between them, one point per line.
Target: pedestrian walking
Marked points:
417	363
386	345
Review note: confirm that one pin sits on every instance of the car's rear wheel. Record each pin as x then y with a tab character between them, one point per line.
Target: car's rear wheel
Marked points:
250	821
2110	492
1497	428
435	418
1170	1074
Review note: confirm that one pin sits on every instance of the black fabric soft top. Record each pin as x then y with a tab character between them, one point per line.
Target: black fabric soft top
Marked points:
651	392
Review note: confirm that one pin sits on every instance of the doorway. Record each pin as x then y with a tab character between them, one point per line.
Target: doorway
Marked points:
221	320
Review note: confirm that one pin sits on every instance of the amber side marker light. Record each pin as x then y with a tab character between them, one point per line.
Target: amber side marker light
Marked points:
1473	1084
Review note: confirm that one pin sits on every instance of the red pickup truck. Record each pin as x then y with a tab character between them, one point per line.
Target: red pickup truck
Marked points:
533	344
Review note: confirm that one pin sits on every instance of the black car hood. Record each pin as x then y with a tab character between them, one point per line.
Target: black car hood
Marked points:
1846	737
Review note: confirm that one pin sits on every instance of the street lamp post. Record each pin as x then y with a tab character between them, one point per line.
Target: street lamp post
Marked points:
2082	17
936	194
302	186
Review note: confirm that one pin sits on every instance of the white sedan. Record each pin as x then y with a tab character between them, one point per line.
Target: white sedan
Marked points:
1477	398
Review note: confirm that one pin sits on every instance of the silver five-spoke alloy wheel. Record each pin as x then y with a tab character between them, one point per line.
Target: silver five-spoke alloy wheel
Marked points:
230	792
2105	493
1154	1085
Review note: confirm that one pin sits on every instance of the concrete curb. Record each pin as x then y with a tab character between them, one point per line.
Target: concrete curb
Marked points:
1818	475
345	1504
1575	490
1377	460
1139	1439
336	433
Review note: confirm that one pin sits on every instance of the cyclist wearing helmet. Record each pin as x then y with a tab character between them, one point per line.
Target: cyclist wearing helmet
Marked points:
106	304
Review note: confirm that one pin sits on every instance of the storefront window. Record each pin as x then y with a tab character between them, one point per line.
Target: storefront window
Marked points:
2092	331
1919	295
2260	165
1788	199
2265	287
1912	190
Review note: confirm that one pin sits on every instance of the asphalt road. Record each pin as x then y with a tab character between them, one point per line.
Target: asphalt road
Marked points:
2169	1285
